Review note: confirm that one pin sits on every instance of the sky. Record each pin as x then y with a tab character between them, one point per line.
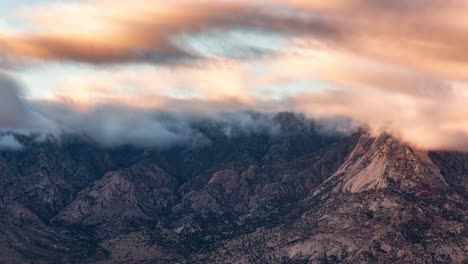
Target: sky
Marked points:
391	66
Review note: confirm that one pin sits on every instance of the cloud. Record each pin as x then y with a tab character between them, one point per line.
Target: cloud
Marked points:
114	124
428	35
421	109
129	31
146	86
427	122
10	143
112	31
15	113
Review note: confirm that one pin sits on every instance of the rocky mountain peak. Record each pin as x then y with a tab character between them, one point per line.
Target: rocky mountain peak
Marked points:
385	162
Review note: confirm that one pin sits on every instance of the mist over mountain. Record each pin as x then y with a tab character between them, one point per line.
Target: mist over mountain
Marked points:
292	193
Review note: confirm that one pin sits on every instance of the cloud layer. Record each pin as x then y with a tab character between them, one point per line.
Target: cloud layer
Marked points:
395	66
426	34
122	31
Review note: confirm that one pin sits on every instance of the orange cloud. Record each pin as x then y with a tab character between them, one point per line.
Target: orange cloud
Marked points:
434	123
148	86
110	31
427	35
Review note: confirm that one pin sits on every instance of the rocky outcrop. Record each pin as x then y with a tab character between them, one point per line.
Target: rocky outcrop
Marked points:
142	191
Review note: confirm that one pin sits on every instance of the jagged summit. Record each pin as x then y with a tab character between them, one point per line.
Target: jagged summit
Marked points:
384	162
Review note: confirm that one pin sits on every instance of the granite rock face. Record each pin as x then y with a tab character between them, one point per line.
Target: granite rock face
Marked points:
296	196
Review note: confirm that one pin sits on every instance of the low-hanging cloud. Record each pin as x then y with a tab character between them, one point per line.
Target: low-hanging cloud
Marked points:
431	122
111	125
117	125
413	117
10	143
15	113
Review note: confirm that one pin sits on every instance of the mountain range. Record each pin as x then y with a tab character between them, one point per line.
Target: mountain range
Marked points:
298	195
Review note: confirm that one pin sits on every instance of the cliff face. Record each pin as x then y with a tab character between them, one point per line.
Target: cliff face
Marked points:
293	197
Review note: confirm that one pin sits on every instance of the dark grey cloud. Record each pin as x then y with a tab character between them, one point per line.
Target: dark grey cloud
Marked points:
13	111
114	125
16	113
